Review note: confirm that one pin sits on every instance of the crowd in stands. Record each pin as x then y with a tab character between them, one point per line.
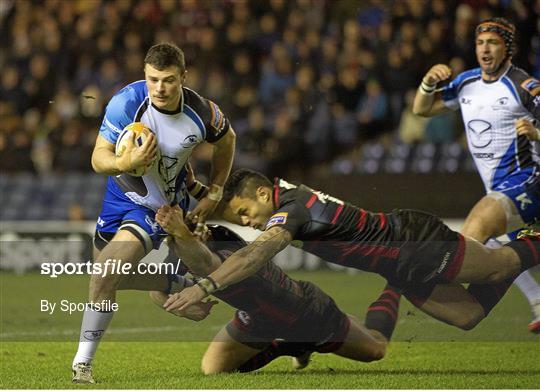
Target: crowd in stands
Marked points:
303	82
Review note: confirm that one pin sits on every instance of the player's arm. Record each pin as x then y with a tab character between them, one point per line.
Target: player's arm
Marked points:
222	160
242	264
104	160
428	101
194	253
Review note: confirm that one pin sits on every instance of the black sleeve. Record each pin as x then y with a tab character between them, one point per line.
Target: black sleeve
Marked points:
528	89
530	95
215	123
291	216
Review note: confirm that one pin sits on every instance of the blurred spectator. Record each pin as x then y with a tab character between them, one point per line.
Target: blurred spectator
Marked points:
307	67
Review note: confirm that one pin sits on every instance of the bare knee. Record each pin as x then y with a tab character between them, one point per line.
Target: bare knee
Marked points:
213	367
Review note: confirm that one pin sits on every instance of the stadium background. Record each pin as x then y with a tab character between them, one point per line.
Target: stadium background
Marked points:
317	91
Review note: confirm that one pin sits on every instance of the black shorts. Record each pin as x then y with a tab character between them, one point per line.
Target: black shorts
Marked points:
321	323
430	252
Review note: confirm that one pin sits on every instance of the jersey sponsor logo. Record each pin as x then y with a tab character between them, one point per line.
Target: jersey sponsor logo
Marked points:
218	119
100	222
536	101
277	219
444	262
189	141
524	200
466	101
324	198
479	133
532	86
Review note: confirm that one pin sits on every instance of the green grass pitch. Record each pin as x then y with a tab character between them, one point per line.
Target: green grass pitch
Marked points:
149	349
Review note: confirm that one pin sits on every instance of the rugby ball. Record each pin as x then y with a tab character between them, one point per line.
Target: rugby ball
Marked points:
141	133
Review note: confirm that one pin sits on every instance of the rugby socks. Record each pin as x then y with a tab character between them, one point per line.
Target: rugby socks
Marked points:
529	286
275	350
488	295
528	250
382	314
93	327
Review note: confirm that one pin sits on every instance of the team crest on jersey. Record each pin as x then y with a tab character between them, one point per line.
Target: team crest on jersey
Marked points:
277	219
532	86
218	119
189	141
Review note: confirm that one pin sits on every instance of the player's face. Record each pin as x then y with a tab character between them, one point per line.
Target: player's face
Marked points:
253	213
490	52
165	86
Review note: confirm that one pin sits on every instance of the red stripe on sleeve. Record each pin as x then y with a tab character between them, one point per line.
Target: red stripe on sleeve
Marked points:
336	215
362	220
383	220
311	201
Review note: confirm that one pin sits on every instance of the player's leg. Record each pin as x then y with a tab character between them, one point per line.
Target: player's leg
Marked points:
226	354
480	264
361	343
124	247
496	214
453	304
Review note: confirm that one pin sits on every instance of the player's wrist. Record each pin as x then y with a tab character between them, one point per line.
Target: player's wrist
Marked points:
208	285
122	163
215	192
197	190
427	87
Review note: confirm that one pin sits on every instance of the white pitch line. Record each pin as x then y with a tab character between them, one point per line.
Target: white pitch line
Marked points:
119	330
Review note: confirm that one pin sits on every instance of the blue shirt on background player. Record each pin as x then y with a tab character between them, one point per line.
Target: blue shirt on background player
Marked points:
500	106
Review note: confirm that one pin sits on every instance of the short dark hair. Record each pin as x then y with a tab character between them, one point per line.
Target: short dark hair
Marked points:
244	183
163	55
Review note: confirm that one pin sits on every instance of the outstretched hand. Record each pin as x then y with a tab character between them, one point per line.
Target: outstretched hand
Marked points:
171	219
182	300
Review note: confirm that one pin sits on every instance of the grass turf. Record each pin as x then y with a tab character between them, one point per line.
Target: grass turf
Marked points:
147	348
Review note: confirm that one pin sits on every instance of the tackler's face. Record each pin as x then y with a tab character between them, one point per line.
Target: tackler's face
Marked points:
490	51
252	212
164	86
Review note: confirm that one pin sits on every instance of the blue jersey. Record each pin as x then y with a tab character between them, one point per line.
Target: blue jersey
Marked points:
508	164
178	133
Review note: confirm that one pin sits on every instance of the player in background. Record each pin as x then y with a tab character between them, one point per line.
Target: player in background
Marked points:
500	105
415	251
180	119
273	306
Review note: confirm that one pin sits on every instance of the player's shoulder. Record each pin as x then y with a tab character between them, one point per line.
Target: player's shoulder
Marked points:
524	82
130	97
195	101
466	77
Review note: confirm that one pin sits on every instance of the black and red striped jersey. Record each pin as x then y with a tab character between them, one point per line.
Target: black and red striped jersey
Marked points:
337	231
269	295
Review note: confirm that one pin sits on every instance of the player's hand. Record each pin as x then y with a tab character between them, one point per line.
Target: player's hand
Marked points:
197	311
524	127
437	73
201	213
134	157
182	300
171	219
